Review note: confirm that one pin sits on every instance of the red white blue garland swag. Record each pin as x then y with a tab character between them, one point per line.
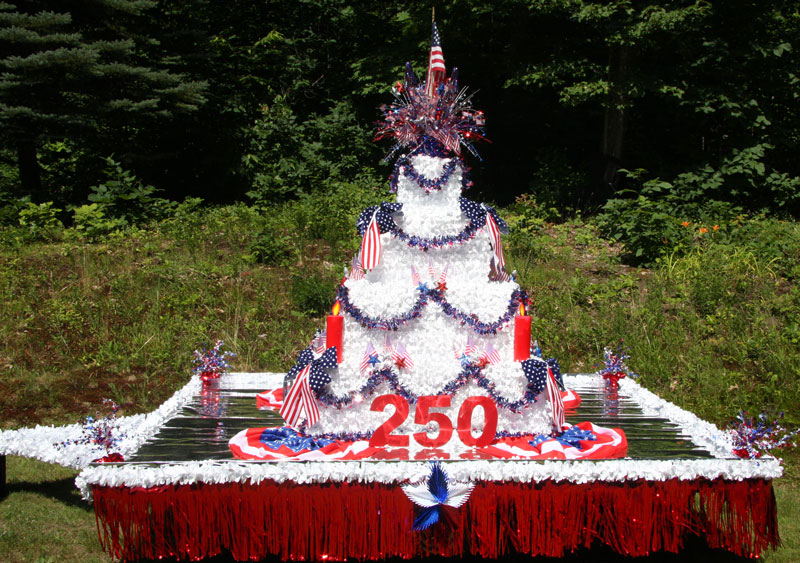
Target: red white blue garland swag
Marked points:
436	295
477	214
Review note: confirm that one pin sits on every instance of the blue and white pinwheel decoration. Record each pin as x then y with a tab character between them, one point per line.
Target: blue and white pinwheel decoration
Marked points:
434	494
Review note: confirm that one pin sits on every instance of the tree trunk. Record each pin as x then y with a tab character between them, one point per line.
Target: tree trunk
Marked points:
616	114
30	174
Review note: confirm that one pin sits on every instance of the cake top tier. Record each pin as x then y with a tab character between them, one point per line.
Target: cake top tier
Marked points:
430	181
431	212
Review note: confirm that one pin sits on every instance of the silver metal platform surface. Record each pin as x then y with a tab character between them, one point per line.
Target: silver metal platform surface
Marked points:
202	429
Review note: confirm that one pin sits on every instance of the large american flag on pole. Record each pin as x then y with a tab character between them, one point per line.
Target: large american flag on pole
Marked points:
436	69
300	400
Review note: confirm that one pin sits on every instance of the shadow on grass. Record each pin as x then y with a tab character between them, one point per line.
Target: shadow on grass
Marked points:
61	490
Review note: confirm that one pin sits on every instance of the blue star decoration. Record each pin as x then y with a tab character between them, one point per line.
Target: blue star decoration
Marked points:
373	359
535	370
434	495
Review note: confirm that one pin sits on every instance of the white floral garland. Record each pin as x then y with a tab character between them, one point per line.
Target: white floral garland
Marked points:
41	442
703	434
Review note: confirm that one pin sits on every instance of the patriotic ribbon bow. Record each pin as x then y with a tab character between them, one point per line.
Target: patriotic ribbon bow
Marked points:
308	374
318	373
436	494
383	218
535	370
540	376
479	213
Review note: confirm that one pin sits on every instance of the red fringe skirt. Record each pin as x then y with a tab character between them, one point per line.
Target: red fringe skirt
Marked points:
338	521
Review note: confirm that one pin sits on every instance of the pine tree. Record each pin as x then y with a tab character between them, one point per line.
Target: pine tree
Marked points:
80	70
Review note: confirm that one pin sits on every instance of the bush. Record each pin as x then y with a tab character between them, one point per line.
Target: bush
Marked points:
91	222
123	196
40	221
313	294
286	158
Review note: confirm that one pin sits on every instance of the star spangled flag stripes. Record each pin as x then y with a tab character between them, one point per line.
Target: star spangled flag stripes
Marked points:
358	271
431	271
401	358
366	361
436	68
300	400
556	403
371	245
415	275
490	355
387	345
471	346
443	275
494	237
318	342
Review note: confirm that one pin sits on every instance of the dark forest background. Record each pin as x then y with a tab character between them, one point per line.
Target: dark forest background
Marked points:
674	104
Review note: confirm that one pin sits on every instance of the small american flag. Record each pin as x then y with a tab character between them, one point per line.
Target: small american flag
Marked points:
369	354
443	275
494	237
387	345
371	244
431	271
556	403
358	271
401	358
318	342
471	347
490	355
300	400
415	275
436	68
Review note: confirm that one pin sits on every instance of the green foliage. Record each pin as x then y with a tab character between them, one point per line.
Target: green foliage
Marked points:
74	73
287	159
92	222
555	183
40	221
125	198
312	293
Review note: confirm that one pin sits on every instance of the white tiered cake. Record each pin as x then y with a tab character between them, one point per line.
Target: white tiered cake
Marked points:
432	339
467	318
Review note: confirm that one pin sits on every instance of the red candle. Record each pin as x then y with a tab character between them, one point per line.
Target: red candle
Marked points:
522	335
334	331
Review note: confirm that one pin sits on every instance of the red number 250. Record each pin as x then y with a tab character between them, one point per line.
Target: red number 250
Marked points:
423	416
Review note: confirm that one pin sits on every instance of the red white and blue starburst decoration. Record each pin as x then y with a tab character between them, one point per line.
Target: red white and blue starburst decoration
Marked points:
101	432
434	121
753	437
210	364
615	366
